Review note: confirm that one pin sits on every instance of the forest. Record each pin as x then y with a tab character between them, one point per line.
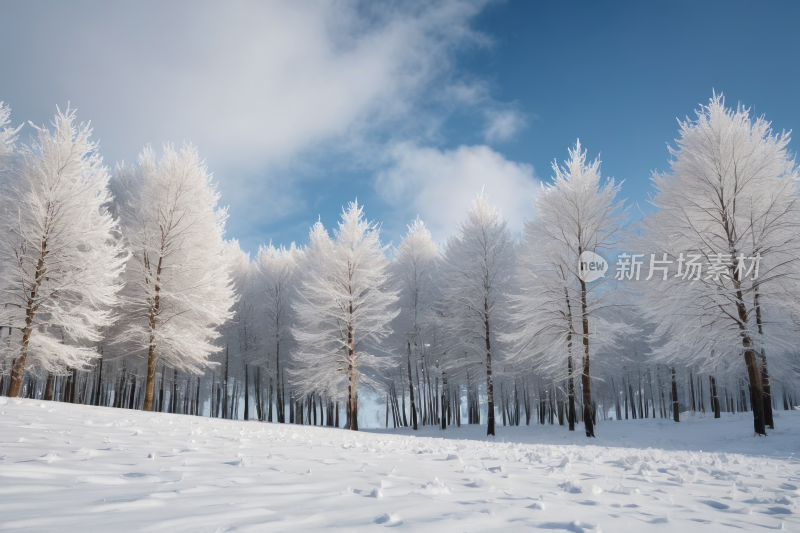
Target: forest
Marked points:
119	288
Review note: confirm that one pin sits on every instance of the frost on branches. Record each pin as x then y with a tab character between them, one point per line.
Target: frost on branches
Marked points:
177	284
730	197
414	271
344	310
8	136
276	289
476	271
59	261
555	306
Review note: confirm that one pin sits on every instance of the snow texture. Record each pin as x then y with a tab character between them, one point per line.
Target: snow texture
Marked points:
66	467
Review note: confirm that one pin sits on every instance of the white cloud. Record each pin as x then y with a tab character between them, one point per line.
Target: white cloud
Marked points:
502	125
439	185
257	86
261	80
273	93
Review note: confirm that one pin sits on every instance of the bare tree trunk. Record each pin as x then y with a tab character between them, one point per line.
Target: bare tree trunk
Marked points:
18	368
149	387
197	398
675	407
411	390
73	391
586	382
99	386
161	392
489	382
444	400
352	373
643	402
49	387
570	389
765	384
279	392
174	399
714	397
570	368
225	386
154	310
632	397
403	399
246	393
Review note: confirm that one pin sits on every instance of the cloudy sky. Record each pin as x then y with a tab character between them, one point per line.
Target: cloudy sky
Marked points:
412	107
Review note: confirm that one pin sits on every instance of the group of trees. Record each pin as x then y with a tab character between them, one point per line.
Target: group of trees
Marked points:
123	291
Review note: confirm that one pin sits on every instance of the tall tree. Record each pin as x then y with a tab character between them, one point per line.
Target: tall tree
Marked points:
177	283
414	273
577	213
727	217
8	137
59	262
344	309
240	334
476	269
276	290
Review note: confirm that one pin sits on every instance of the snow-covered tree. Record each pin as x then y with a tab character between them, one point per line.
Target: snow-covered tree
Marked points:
275	290
545	312
476	270
577	213
414	274
344	309
8	137
727	220
177	283
240	334
59	262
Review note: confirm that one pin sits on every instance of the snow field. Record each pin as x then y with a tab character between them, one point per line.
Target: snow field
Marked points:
68	467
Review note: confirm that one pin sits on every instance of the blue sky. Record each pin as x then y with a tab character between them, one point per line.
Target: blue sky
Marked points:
413	107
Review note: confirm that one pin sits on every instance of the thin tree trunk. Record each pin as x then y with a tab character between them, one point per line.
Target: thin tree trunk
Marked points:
765	384
586	382
411	390
174	398
246	392
714	396
99	386
73	393
225	385
489	382
675	407
352	385
49	387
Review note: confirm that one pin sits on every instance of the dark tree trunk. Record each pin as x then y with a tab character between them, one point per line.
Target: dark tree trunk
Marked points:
411	391
489	382
49	387
99	386
174	399
246	393
161	391
676	415
225	385
570	390
714	395
586	382
75	387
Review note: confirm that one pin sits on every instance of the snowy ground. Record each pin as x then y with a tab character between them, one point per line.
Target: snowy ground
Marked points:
76	468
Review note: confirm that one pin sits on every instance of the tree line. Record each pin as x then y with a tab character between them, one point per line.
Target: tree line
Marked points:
120	289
